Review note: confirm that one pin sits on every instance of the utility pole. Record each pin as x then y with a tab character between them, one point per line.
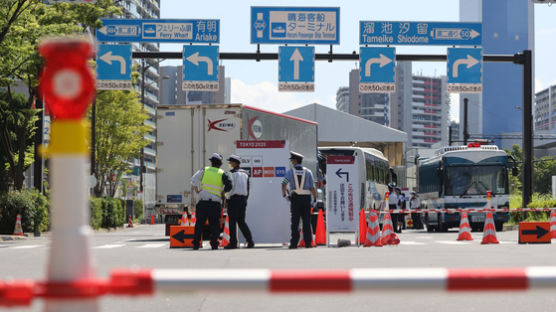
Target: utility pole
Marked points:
37	165
450	135
465	126
142	156
527	130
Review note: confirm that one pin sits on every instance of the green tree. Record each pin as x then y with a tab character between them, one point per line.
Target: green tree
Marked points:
120	133
515	181
545	168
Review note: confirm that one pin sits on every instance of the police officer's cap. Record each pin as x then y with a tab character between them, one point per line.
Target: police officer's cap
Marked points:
296	156
234	158
216	156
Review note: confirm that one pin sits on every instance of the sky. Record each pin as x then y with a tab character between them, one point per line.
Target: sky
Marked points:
256	83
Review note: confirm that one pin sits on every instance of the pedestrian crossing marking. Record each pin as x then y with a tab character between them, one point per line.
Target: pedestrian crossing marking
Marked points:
153	245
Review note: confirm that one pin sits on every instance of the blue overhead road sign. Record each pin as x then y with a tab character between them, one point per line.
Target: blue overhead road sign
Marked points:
155	30
114	67
200	68
302	25
377	70
420	33
465	68
296	68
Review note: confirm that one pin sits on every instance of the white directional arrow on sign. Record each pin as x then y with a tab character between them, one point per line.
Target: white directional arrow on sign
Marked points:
383	61
296	58
108	58
474	34
469	61
195	59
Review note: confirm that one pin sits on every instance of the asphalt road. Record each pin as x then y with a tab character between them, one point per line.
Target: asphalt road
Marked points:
145	246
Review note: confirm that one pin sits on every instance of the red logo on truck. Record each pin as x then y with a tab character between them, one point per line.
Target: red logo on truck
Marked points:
220	125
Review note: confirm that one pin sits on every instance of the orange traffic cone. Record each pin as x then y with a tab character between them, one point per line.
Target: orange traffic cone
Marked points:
320	236
373	231
184	220
226	238
362	227
18	230
388	235
193	219
464	229
129	222
489	231
302	241
152	219
553	224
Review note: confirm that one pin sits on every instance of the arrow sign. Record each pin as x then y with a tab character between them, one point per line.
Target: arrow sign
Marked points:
181	236
539	231
382	60
108	58
339	173
195	59
296	58
469	61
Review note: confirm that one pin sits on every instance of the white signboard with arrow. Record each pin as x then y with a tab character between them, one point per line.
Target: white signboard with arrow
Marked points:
377	73
342	194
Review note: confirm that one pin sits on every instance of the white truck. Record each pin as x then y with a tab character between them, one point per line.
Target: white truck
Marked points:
188	134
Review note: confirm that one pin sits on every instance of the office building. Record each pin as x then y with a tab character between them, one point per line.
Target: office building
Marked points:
545	110
454	132
171	92
342	99
508	28
370	106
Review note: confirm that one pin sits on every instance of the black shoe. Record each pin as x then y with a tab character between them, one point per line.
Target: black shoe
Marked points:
214	248
230	247
292	247
251	245
195	247
309	246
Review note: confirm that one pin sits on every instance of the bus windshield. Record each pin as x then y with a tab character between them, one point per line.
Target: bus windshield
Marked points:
476	180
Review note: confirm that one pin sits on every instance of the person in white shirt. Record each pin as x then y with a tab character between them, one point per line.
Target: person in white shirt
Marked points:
237	203
415	203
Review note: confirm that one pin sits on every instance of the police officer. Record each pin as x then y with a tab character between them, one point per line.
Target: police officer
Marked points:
302	186
210	185
237	203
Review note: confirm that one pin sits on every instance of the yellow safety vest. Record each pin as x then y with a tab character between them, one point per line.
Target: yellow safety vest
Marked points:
212	181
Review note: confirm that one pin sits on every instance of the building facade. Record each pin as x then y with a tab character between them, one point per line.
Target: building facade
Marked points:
370	106
342	99
420	107
545	109
171	92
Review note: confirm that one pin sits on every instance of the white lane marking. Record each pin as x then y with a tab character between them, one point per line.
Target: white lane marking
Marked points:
453	242
109	246
153	245
411	243
424	237
507	242
27	246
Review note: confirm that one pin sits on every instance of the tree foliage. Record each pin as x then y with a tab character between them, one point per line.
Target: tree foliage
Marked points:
120	133
543	170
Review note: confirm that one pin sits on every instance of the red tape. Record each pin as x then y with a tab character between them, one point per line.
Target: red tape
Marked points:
131	282
84	288
16	293
487	279
311	281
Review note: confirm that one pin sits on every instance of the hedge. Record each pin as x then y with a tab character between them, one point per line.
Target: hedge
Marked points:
32	206
538	201
138	206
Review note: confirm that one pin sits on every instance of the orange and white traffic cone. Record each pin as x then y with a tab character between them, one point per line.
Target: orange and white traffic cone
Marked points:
553	224
129	222
302	241
373	231
18	230
362	227
464	228
152	219
184	220
388	235
489	231
193	219
320	236
226	237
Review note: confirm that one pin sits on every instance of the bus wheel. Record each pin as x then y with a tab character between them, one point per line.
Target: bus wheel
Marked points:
430	228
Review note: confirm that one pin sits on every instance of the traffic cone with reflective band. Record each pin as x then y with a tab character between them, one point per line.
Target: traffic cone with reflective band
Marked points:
553	224
226	237
193	219
373	231
464	229
320	236
18	230
489	232
184	220
362	227
388	235
302	241
129	222
152	219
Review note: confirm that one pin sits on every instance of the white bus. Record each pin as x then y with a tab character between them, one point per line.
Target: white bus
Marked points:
459	177
374	173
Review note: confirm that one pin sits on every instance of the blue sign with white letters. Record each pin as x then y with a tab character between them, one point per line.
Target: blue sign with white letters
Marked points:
419	33
464	70
377	70
114	67
200	68
302	25
296	68
159	30
280	172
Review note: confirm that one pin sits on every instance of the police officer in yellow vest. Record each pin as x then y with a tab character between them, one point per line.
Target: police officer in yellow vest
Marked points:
210	185
302	186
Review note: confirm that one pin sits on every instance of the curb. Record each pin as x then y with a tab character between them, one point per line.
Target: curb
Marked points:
5	238
511	227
